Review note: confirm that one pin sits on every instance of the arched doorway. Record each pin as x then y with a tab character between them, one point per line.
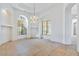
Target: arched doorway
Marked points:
70	24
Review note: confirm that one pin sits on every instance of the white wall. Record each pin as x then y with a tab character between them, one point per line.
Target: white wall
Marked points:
55	14
57	22
6	32
78	30
3	36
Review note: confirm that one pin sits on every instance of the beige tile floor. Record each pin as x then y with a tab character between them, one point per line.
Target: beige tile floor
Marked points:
36	48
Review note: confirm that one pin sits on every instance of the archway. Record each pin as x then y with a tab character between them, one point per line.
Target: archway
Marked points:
69	38
22	25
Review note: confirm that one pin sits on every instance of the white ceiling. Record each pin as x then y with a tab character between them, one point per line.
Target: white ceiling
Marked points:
29	7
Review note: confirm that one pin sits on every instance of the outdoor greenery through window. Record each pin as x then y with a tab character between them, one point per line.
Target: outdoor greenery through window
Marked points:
22	25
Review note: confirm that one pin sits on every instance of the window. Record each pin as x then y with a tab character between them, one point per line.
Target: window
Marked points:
74	26
22	25
44	27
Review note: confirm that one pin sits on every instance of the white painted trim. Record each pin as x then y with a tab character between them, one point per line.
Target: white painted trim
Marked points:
5	25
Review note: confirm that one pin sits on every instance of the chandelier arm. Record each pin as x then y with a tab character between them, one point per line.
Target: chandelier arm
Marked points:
34	8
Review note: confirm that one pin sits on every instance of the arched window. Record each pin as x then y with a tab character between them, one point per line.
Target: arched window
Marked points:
74	26
22	25
74	20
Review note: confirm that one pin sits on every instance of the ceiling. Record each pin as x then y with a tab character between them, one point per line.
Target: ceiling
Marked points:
29	7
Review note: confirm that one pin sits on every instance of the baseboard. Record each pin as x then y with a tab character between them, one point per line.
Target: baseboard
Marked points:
1	43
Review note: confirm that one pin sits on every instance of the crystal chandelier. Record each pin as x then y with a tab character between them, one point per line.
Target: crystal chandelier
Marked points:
34	17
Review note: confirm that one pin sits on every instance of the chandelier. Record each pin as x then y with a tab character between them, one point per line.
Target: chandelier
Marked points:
34	17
